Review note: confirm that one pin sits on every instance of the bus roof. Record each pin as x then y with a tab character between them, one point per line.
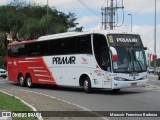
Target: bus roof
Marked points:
22	42
70	34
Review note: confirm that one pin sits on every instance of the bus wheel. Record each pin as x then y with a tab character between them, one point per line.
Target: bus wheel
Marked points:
4	77
21	80
29	81
87	85
158	76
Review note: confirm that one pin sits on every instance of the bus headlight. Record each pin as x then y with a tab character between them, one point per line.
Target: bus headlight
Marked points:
119	79
145	77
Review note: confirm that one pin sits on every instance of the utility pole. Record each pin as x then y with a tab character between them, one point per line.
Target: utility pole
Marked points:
155	26
104	18
111	15
131	21
108	15
47	19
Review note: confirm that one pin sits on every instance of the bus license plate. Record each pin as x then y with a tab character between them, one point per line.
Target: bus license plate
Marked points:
133	84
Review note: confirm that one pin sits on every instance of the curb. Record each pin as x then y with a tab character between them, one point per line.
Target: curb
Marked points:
33	108
61	101
56	99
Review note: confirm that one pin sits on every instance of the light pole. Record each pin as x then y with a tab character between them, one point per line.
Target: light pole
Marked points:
131	21
155	37
47	19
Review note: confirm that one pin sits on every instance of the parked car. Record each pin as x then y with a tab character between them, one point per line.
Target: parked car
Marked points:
158	73
3	73
157	70
150	70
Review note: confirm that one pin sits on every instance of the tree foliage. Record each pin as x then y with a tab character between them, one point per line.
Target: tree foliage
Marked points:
25	21
30	21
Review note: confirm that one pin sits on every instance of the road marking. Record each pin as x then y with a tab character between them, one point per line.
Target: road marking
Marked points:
63	101
3	81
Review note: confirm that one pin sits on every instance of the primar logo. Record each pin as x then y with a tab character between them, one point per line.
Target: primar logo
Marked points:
64	60
127	40
133	74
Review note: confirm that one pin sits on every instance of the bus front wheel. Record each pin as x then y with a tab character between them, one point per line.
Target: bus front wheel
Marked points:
87	85
29	81
21	80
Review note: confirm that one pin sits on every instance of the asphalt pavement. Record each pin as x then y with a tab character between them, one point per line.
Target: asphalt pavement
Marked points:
52	108
56	99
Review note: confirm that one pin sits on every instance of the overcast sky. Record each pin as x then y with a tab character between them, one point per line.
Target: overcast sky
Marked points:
142	15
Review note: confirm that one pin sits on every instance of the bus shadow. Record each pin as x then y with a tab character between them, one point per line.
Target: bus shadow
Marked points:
94	91
59	88
80	90
121	92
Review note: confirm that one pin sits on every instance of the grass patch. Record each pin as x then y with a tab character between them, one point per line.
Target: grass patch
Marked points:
10	103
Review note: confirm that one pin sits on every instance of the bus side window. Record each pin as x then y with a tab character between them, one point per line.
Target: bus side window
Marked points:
14	50
105	58
101	51
33	49
9	51
84	45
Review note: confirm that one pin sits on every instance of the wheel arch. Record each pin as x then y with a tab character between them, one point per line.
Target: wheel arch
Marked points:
20	73
27	74
82	78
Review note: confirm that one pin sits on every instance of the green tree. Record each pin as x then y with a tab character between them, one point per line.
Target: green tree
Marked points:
26	21
30	21
11	20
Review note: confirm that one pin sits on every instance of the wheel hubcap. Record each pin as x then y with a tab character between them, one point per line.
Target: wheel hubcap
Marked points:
21	80
86	85
29	81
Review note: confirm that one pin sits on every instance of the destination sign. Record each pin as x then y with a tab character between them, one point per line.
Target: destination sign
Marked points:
124	40
127	40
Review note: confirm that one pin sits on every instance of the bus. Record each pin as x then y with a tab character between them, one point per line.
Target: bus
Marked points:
93	59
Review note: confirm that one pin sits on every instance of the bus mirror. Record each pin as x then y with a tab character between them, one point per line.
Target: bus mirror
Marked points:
115	57
154	57
114	54
145	48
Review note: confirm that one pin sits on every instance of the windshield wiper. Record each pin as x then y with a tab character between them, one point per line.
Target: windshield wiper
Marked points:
136	61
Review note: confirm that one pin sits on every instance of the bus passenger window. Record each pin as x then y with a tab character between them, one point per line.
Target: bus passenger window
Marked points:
105	59
84	45
101	52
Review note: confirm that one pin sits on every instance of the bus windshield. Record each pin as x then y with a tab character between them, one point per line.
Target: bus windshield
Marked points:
130	52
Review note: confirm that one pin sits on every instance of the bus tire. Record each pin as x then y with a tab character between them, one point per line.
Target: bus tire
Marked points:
158	76
29	81
4	77
21	80
87	85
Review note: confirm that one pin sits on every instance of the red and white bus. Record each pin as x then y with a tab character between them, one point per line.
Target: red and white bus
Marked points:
97	59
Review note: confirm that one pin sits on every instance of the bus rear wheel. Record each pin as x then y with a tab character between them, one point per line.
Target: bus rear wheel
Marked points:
87	85
29	81
21	80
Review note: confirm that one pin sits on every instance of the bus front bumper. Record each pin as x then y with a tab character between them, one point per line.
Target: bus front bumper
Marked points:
129	84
